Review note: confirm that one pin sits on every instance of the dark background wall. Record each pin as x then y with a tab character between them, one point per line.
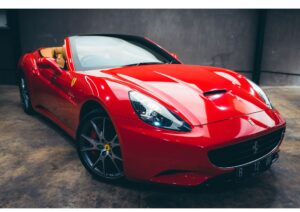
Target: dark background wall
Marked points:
208	37
226	38
281	53
8	60
10	46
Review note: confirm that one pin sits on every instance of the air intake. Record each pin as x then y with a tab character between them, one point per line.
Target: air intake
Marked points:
246	151
214	92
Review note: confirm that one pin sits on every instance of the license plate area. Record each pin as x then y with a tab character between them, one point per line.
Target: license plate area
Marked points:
256	167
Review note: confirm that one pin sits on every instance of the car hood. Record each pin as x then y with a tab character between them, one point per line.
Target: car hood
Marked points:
200	94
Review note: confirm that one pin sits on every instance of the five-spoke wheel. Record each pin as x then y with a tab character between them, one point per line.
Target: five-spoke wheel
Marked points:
24	94
98	147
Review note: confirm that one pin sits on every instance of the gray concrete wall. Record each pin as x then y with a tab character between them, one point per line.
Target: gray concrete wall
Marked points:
281	54
8	60
223	38
9	44
210	37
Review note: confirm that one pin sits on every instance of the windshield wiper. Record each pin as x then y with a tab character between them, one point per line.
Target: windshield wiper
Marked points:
143	63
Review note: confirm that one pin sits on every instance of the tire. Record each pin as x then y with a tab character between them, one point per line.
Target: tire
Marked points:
25	96
98	147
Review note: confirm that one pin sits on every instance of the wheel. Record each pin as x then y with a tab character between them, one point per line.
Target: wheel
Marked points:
98	147
24	95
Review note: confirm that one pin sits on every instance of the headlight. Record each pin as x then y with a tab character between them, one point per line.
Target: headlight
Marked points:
261	93
152	112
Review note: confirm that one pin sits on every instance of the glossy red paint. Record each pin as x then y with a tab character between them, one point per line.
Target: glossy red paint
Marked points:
148	152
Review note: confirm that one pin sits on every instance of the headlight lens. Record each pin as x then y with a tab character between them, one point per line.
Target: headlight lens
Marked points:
152	112
261	93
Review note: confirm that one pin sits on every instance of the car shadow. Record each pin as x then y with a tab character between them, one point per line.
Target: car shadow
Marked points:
49	123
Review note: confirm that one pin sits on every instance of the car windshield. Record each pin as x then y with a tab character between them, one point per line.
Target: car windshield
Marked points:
102	52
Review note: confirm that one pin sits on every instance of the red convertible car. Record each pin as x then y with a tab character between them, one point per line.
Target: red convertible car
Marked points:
137	112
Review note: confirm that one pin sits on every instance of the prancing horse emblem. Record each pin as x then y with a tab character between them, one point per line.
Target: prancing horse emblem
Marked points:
73	81
255	148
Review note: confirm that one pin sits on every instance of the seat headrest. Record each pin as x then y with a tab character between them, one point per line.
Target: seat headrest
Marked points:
58	53
47	52
53	52
60	50
60	60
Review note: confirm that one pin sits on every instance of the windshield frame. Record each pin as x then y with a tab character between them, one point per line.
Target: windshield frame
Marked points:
144	41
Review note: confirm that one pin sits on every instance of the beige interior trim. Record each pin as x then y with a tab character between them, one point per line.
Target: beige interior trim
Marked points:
58	53
47	52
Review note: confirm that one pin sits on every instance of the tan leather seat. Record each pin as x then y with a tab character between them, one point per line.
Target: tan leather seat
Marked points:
60	60
58	53
47	52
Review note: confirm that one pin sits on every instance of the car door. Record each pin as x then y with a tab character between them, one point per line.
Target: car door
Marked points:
53	93
42	87
64	103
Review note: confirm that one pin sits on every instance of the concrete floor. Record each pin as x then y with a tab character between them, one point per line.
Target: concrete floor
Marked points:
39	168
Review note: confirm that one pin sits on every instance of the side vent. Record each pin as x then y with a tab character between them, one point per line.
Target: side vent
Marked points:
213	92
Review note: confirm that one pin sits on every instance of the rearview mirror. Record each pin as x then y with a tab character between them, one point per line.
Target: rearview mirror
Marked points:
174	55
49	63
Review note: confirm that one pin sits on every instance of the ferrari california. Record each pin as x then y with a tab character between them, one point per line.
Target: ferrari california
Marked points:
136	111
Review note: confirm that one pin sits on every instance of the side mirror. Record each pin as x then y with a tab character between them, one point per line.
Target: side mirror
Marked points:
174	55
49	63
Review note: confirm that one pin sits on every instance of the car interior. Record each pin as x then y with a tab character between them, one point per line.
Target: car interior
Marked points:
57	53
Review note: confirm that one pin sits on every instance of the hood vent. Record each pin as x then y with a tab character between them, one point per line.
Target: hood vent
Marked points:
214	92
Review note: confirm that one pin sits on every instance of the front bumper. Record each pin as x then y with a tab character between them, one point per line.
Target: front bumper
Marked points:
164	156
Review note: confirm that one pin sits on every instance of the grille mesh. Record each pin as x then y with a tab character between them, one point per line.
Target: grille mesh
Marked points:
247	151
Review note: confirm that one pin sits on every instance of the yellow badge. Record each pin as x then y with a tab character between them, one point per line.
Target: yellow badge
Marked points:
73	81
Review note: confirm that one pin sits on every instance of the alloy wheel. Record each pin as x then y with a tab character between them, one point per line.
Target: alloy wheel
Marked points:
99	148
24	93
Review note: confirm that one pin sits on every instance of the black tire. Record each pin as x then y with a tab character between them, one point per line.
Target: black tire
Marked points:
24	95
98	148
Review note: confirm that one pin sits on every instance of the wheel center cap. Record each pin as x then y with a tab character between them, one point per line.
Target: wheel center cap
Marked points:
107	147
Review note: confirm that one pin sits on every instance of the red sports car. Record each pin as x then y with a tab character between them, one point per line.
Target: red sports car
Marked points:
137	112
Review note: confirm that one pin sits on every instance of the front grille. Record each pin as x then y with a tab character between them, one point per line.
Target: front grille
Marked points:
247	151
